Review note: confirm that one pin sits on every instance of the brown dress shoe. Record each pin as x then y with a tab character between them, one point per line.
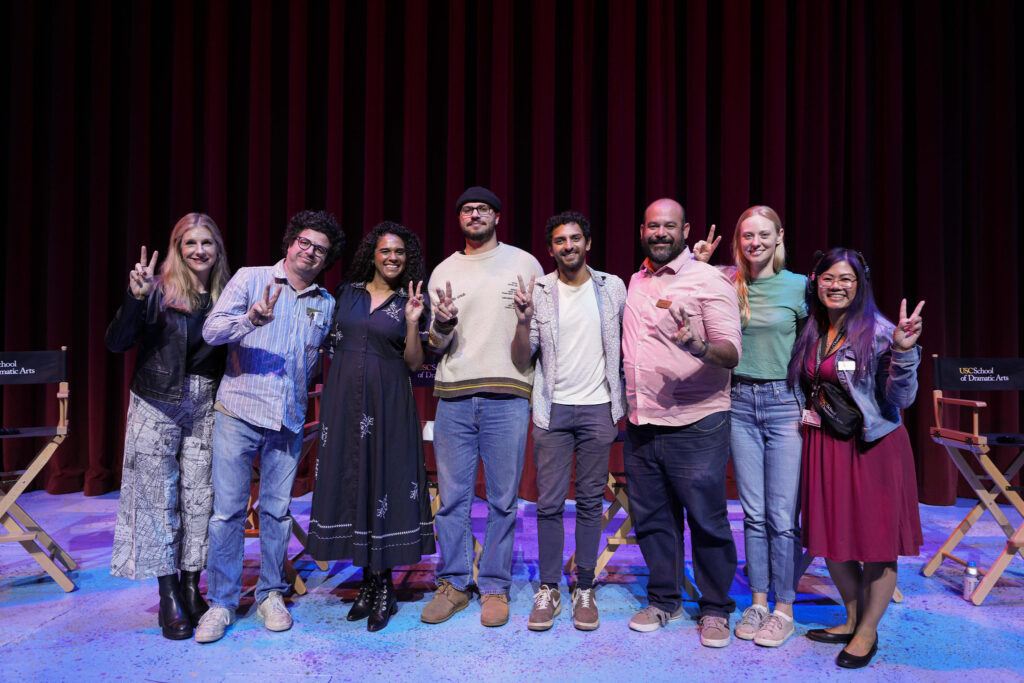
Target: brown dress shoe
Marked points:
494	609
447	601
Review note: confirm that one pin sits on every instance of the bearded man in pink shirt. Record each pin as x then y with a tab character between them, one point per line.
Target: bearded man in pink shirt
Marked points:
681	335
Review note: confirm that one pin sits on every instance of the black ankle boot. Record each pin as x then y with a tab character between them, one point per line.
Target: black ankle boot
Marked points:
385	602
171	615
364	601
191	599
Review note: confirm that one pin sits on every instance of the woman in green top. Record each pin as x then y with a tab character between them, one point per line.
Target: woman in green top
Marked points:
766	423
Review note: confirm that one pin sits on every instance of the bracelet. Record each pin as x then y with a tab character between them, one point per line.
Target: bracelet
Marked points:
703	351
446	327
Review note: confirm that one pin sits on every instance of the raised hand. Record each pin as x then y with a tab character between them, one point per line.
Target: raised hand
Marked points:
908	329
684	334
524	300
414	306
703	250
140	278
262	312
445	311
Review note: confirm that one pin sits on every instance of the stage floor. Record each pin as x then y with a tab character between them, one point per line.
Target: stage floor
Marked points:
107	627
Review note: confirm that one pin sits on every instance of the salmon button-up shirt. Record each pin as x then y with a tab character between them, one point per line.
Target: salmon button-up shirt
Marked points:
665	384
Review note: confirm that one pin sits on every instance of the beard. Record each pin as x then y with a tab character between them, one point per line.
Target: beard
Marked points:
479	232
654	250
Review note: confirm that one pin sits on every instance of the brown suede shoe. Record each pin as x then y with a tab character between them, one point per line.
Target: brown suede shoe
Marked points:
447	601
494	609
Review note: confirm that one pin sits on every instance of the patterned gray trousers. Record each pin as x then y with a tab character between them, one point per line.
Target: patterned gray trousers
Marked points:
166	492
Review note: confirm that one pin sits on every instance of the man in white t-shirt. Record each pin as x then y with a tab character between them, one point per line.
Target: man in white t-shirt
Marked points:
484	408
571	321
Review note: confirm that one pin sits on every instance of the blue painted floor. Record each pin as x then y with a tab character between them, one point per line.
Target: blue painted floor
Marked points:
107	629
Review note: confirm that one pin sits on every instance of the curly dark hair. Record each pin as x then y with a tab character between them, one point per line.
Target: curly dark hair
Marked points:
362	268
567	217
322	222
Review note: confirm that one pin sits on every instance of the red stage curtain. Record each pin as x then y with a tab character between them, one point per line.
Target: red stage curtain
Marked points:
886	126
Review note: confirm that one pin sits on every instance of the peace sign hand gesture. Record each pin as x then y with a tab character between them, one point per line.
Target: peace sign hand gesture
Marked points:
703	250
445	312
414	306
140	278
262	312
904	337
524	300
684	334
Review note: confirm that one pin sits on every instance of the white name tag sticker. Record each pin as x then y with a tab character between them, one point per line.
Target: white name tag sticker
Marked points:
846	365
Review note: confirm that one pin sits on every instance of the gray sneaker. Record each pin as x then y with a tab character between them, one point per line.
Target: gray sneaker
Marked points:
212	625
547	604
751	621
651	618
714	631
584	610
273	613
775	630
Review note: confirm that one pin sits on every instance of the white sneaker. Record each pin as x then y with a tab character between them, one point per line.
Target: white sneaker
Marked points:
212	625
750	622
273	613
651	618
776	629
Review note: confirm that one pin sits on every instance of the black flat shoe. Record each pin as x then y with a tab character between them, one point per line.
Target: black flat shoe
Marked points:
848	661
363	605
173	620
820	635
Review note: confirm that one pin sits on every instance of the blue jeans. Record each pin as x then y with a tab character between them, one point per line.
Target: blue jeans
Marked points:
466	431
589	432
766	446
670	470
236	444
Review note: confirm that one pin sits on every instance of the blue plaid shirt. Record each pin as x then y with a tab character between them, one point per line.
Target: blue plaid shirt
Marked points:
268	367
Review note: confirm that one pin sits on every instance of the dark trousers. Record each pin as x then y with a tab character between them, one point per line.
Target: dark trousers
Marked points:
588	431
669	469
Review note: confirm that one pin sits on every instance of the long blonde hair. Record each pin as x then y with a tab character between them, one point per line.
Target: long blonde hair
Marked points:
743	276
175	277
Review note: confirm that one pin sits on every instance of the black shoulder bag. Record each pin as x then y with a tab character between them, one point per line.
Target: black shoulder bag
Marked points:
839	414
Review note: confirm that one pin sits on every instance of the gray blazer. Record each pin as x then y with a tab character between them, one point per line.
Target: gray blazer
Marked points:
611	302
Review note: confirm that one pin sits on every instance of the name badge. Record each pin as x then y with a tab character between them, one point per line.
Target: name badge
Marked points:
810	418
314	315
846	365
663	303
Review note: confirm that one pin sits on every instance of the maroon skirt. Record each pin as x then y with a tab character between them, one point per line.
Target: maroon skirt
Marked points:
859	500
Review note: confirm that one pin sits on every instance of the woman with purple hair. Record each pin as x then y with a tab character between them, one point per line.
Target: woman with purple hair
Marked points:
859	494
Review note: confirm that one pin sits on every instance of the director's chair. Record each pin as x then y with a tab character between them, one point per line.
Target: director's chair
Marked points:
35	367
979	374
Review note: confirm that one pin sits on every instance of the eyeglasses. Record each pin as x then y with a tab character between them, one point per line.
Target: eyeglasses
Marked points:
305	244
482	209
844	281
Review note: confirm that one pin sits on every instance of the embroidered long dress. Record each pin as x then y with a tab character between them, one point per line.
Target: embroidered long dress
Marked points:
370	503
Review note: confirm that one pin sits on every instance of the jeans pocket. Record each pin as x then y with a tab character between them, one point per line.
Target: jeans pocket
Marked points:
711	423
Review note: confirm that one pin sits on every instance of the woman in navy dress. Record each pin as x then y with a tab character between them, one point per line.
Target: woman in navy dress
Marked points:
370	503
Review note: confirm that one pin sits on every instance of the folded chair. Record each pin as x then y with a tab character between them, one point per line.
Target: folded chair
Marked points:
35	367
616	488
979	374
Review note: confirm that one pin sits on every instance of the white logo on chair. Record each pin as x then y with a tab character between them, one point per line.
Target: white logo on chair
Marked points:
323	435
364	426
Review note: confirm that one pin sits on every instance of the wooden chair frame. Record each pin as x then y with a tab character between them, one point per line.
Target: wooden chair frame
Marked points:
958	443
20	526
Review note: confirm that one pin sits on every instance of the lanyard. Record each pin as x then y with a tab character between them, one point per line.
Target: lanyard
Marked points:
831	349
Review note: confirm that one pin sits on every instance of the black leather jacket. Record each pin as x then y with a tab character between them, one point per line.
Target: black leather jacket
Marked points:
163	339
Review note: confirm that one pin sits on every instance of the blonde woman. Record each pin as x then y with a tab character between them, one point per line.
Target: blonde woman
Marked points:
765	437
166	494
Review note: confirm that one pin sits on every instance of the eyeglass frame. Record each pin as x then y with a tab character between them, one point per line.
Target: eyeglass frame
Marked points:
318	249
482	209
836	281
